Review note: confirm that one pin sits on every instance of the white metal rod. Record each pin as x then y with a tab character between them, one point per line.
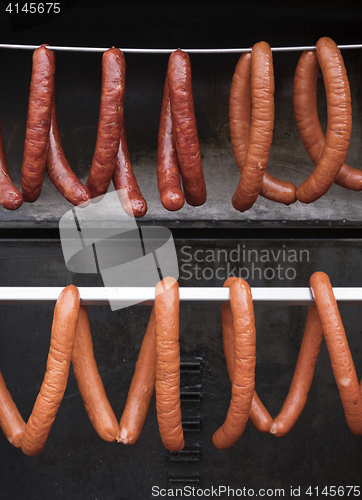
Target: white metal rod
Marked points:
146	295
168	51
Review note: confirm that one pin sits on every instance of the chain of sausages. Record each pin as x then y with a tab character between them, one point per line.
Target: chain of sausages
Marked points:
323	320
158	368
251	122
178	151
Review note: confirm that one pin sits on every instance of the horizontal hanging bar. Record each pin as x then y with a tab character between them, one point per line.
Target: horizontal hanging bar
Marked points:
168	51
146	295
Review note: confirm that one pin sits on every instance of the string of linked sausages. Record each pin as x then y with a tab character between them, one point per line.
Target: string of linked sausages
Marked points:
158	370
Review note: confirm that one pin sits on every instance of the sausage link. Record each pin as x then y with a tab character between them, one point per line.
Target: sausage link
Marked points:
168	170
341	359
109	124
276	190
244	365
125	181
339	123
184	126
141	389
239	124
302	377
261	128
58	168
307	119
11	422
57	370
38	123
90	384
240	109
167	303
259	415
10	197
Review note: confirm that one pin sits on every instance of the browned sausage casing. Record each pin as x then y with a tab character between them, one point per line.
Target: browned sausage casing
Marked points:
306	115
109	124
125	181
10	197
239	123
168	170
141	389
57	370
38	123
341	359
244	365
11	422
261	129
339	123
167	304
184	126
58	168
90	384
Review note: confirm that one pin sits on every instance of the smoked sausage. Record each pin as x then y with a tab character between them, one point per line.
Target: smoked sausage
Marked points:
109	124
90	384
57	370
168	406
306	115
339	123
168	170
125	181
244	365
141	389
58	168
340	355
10	197
261	128
239	123
302	377
184	127
38	123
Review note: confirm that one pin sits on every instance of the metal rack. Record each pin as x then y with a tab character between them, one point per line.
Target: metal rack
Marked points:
146	295
168	51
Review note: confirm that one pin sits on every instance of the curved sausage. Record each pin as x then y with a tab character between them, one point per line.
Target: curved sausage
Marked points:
167	303
240	109
239	124
339	353
38	123
90	384
244	365
261	128
10	197
276	190
184	126
58	168
259	415
302	377
11	422
339	124
168	170
125	181
57	370
307	119
141	389
109	124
